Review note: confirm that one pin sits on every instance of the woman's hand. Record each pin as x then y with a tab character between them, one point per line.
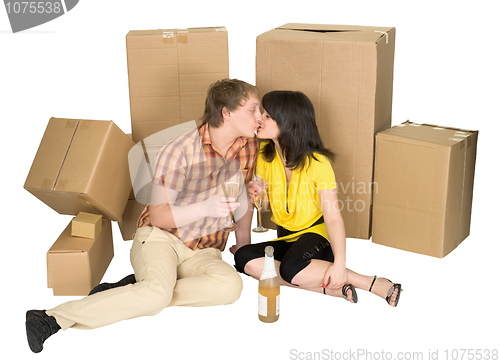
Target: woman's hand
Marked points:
256	187
335	276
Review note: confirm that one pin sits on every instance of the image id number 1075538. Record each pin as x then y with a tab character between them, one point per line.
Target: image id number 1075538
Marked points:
470	354
33	7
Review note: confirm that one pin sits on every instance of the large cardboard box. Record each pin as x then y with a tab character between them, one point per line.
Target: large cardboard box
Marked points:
347	72
76	265
424	176
169	74
82	165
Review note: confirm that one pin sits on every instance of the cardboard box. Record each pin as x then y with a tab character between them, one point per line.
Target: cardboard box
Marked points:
76	265
82	166
86	225
169	74
347	72
424	176
128	223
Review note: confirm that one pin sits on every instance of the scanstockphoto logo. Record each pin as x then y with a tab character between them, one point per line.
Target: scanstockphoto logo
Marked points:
29	14
203	180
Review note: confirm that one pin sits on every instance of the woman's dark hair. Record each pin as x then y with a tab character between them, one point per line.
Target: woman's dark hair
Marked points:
299	136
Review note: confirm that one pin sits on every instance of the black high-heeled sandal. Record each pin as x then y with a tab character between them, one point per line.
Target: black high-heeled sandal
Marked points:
346	288
390	291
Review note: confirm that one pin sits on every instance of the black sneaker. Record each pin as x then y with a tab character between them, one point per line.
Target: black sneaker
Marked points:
130	279
39	327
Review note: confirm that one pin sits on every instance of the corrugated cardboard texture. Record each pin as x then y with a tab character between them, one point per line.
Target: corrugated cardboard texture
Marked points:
347	72
82	165
76	265
169	74
424	176
86	225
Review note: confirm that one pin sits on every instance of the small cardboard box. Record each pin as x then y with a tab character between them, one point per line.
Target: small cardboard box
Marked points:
169	74
86	225
76	265
347	72
82	166
424	176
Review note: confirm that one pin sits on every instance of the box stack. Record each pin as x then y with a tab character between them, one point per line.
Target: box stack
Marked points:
420	198
419	177
347	72
78	259
81	168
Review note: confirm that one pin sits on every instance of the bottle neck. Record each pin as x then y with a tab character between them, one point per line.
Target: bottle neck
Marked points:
269	270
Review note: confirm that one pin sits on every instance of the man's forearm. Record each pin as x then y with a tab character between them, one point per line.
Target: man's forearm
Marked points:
243	233
168	217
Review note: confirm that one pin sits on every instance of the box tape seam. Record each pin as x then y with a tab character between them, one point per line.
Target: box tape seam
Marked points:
47	184
179	35
383	33
168	37
62	183
65	155
182	36
84	126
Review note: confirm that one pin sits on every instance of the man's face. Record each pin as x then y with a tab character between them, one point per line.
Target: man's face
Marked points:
247	118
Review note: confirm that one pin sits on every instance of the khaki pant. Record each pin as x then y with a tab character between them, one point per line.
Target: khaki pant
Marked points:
168	273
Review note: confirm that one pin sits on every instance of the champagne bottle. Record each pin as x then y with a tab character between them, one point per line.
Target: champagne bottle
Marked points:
269	289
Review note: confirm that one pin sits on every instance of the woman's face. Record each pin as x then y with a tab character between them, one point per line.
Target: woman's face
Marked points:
268	128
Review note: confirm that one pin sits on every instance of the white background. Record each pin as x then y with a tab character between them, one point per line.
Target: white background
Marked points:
446	72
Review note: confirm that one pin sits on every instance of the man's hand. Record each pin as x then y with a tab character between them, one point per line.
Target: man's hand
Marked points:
235	247
220	206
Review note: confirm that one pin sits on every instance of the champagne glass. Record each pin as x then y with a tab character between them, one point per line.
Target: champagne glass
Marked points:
231	189
258	201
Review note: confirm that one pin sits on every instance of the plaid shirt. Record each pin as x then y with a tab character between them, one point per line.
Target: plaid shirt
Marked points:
192	166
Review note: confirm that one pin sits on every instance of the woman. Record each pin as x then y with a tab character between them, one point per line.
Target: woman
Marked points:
310	252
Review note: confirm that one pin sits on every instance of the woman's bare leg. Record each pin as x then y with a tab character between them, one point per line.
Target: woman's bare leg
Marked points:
254	268
311	279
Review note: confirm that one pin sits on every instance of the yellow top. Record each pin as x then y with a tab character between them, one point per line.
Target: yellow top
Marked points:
296	205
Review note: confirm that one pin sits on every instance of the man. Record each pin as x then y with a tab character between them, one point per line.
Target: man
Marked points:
176	252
